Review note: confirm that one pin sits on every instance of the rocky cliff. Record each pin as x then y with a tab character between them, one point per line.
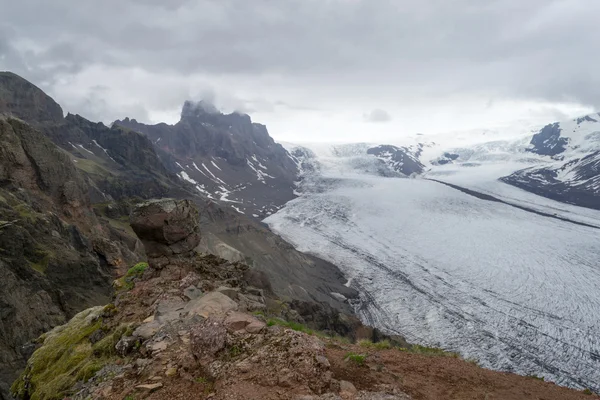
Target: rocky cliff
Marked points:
56	256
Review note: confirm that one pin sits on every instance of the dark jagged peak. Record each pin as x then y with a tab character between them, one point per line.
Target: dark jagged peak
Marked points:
585	118
446	158
401	159
22	99
548	141
197	108
226	157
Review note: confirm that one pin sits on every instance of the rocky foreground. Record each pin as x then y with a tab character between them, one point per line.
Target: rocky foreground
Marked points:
192	326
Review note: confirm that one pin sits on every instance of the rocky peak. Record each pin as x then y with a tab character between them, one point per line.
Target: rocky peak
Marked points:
548	141
196	109
225	157
401	159
24	100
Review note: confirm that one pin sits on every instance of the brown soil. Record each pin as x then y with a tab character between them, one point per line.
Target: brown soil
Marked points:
438	377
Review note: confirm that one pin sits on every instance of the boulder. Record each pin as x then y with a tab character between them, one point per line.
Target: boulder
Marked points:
237	321
211	304
207	338
167	227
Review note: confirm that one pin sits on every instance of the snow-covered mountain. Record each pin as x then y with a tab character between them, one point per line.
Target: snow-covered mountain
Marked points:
570	171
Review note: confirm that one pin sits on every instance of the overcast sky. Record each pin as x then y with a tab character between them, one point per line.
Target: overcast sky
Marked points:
313	70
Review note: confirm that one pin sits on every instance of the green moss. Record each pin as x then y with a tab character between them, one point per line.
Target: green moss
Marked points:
25	212
105	348
65	357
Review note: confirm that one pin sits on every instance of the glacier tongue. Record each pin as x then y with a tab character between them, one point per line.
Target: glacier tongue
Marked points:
515	290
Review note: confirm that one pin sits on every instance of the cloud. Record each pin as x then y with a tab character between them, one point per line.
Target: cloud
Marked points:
377	115
402	53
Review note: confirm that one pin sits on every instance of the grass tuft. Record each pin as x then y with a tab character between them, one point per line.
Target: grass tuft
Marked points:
358	359
384	344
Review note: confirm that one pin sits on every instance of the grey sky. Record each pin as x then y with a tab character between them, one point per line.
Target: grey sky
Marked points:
312	69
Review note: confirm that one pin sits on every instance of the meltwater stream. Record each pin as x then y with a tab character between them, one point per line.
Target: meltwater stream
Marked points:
515	290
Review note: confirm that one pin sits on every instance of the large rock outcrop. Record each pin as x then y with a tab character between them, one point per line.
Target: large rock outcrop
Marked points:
167	227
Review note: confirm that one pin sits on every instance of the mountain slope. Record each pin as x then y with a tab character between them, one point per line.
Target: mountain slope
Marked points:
571	163
56	256
226	157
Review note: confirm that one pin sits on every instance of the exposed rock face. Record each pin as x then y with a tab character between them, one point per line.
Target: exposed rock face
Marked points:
167	227
31	161
582	188
117	162
548	142
56	257
21	99
400	159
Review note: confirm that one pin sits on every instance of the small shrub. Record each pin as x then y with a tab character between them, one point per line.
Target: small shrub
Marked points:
137	270
588	391
539	378
358	359
201	379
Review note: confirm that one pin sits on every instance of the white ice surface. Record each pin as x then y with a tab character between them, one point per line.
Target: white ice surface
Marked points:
515	290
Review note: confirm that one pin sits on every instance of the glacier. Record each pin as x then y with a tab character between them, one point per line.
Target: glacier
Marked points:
515	290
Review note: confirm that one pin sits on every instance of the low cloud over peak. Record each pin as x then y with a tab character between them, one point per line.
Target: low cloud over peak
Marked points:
377	115
431	57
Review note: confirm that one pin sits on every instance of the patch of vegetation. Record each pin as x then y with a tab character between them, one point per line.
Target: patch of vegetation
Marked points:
40	259
126	282
66	357
234	351
201	379
105	348
588	391
382	345
539	378
130	397
91	167
432	351
26	212
358	359
137	270
292	325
